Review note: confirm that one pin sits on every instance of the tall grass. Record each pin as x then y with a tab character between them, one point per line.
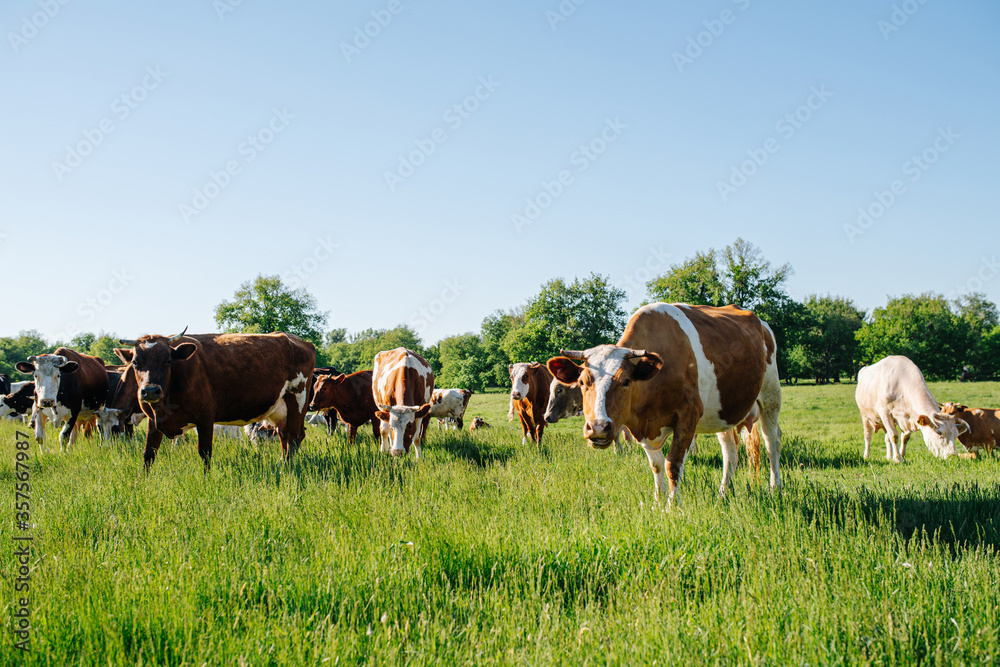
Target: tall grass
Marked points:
490	551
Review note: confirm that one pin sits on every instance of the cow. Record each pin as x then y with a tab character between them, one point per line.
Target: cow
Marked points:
449	405
330	416
892	392
402	387
119	415
565	401
478	423
680	370
68	386
984	426
259	432
20	401
4	385
529	394
227	378
348	397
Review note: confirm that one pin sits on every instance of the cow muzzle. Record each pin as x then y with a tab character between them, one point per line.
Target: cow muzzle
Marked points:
47	402
551	418
151	393
516	395
397	452
599	432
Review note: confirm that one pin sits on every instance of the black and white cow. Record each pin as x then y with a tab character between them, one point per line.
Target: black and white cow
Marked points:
19	402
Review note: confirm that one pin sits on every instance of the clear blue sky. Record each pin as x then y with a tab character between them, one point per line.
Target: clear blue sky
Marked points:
102	242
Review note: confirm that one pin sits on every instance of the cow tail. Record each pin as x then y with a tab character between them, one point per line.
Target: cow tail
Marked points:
752	441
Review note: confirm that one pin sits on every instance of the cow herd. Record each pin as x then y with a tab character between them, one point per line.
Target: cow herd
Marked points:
678	370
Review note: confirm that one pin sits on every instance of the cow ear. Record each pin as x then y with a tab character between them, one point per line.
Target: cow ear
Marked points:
647	367
25	367
70	367
924	420
423	410
339	378
534	364
962	408
183	351
382	415
124	354
564	370
963	426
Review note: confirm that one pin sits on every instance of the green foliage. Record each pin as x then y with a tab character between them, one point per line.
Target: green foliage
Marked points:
923	328
696	281
464	363
13	350
266	304
357	352
492	553
827	337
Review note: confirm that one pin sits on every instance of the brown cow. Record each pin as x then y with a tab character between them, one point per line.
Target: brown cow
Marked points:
232	378
350	396
402	386
680	369
68	386
478	423
529	394
984	426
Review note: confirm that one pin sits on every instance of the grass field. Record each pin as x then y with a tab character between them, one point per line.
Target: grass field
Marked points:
489	552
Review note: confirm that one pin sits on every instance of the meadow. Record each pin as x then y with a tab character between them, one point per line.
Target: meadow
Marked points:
493	552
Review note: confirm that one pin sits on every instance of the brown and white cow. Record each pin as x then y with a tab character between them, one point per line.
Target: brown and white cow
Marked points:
680	369
348	397
892	392
449	405
478	423
69	386
402	386
529	396
984	426
206	379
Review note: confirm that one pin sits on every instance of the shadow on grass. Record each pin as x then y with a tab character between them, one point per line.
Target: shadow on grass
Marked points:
482	454
962	517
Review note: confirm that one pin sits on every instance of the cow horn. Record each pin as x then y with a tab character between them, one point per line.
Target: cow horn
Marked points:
572	354
31	359
126	341
174	339
632	354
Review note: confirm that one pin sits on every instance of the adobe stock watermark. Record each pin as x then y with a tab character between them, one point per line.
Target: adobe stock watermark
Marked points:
786	127
88	309
436	307
988	269
224	7
581	160
899	17
121	108
32	24
454	117
914	168
23	542
363	35
299	273
656	263
562	12
698	43
247	151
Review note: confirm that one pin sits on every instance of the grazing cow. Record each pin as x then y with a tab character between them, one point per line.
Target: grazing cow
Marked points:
20	401
348	397
529	393
893	392
68	386
329	415
478	423
680	369
402	386
208	379
450	405
984	426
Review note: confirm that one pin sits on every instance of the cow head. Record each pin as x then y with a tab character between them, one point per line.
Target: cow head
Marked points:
605	379
560	401
520	382
940	432
47	370
107	419
6	410
151	357
325	388
403	421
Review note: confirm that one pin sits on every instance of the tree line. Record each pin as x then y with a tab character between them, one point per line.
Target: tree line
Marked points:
824	338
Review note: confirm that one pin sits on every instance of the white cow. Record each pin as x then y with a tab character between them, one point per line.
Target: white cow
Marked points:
892	392
449	405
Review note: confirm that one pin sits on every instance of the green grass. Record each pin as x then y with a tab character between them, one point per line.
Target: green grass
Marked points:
492	552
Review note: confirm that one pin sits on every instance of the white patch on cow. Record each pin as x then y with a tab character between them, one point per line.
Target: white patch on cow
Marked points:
708	384
107	418
278	412
5	410
520	385
603	362
400	417
451	405
405	361
47	376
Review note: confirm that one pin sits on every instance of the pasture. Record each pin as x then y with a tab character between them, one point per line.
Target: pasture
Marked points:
493	552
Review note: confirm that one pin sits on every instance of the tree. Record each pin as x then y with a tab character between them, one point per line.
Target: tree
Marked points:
829	341
13	350
464	363
983	320
923	328
748	279
494	330
266	304
694	281
357	352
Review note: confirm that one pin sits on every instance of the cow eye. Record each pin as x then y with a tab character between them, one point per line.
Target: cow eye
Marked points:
627	382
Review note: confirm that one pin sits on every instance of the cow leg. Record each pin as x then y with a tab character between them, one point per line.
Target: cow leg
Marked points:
769	403
38	418
153	440
891	437
384	435
459	423
869	430
525	430
904	438
657	462
730	457
352	432
539	430
67	436
375	426
205	444
510	411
